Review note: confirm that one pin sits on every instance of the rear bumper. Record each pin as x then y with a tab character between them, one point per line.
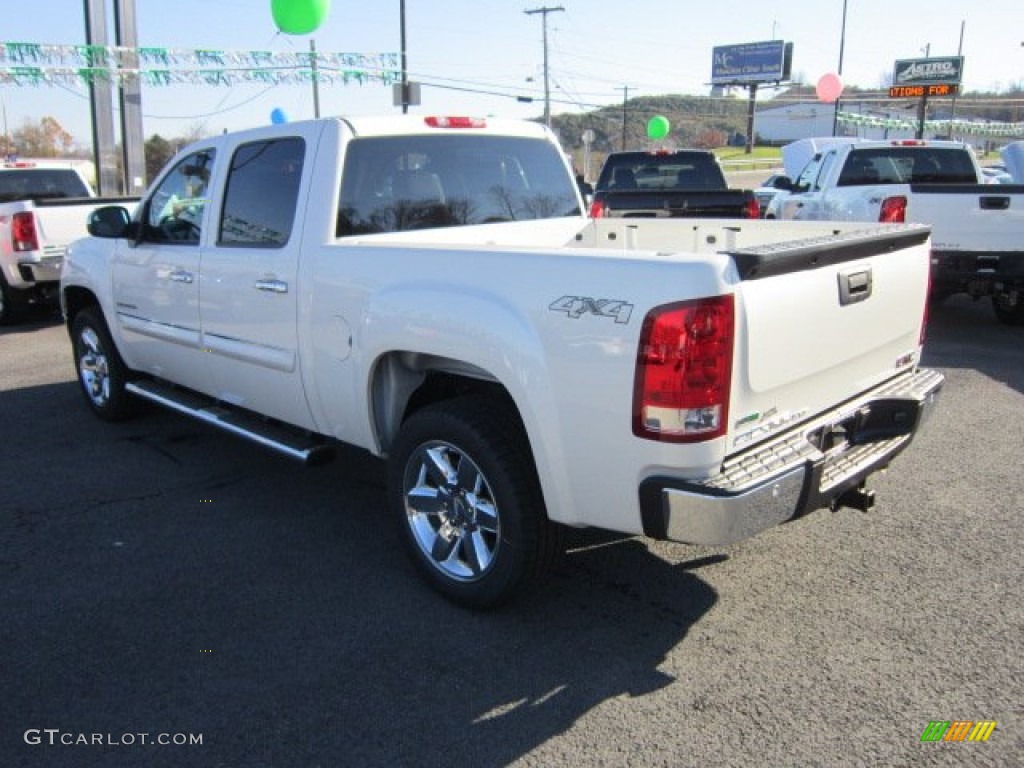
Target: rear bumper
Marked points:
975	273
805	469
33	268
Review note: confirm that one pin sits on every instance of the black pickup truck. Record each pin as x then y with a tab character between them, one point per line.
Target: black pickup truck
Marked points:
672	184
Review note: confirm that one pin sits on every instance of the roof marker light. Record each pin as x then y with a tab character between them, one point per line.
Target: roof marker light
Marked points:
436	121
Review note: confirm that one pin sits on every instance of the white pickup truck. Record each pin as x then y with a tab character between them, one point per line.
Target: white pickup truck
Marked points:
43	207
977	228
429	289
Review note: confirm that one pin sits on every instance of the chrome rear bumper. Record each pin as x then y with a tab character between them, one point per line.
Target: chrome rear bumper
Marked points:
814	465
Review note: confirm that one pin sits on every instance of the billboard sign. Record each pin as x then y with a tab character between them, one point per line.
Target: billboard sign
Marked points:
750	63
944	70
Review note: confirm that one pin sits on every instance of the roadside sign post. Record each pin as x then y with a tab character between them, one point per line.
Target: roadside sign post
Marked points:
748	65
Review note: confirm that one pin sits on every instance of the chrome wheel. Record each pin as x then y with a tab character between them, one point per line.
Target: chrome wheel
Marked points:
463	490
93	368
101	371
451	511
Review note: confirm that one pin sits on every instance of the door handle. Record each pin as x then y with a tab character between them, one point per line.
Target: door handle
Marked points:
181	276
271	285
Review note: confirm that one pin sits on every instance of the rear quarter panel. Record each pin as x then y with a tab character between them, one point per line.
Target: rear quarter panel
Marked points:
526	318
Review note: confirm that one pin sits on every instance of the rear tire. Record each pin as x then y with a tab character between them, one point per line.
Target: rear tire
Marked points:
102	374
463	489
11	302
1009	306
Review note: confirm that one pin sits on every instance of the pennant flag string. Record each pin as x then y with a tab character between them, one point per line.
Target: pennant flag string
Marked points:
36	64
968	127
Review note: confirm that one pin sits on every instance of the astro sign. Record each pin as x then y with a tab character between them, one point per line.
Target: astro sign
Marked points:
764	62
946	70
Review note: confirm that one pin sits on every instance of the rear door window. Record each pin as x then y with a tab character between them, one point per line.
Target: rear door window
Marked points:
262	193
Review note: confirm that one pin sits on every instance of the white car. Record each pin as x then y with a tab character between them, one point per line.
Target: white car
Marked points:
767	191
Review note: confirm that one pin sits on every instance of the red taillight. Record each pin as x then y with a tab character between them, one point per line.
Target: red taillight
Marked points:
908	143
455	122
752	209
597	209
893	210
23	232
684	371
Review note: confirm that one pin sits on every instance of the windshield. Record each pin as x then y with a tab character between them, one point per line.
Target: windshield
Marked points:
392	184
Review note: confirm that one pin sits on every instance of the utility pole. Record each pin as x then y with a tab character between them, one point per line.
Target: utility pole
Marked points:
959	52
545	10
842	47
625	98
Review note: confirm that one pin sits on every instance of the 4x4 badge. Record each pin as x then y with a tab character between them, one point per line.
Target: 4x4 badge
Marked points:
577	306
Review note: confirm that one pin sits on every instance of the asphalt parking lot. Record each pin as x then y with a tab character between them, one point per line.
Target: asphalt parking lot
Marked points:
162	582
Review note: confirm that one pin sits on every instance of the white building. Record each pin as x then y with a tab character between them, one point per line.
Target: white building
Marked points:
779	125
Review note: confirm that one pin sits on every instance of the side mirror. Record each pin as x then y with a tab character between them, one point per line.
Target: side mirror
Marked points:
110	221
783	182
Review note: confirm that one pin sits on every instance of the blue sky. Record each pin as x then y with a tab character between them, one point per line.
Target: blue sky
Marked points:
595	48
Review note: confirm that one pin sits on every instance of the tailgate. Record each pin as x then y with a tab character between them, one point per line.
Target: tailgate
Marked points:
821	320
985	218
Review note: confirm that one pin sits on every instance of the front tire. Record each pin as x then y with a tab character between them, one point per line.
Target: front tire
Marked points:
464	491
102	374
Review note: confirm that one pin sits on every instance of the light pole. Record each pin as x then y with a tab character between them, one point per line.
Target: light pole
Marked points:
316	78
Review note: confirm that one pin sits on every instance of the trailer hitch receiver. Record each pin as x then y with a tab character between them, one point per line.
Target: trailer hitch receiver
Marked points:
860	498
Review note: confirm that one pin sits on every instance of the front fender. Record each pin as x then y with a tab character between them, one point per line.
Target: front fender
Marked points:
87	269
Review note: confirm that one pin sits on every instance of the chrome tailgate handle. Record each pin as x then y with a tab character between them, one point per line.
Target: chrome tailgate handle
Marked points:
271	285
854	286
994	202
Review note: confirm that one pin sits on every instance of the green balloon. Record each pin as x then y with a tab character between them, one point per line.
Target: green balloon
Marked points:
299	17
658	127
